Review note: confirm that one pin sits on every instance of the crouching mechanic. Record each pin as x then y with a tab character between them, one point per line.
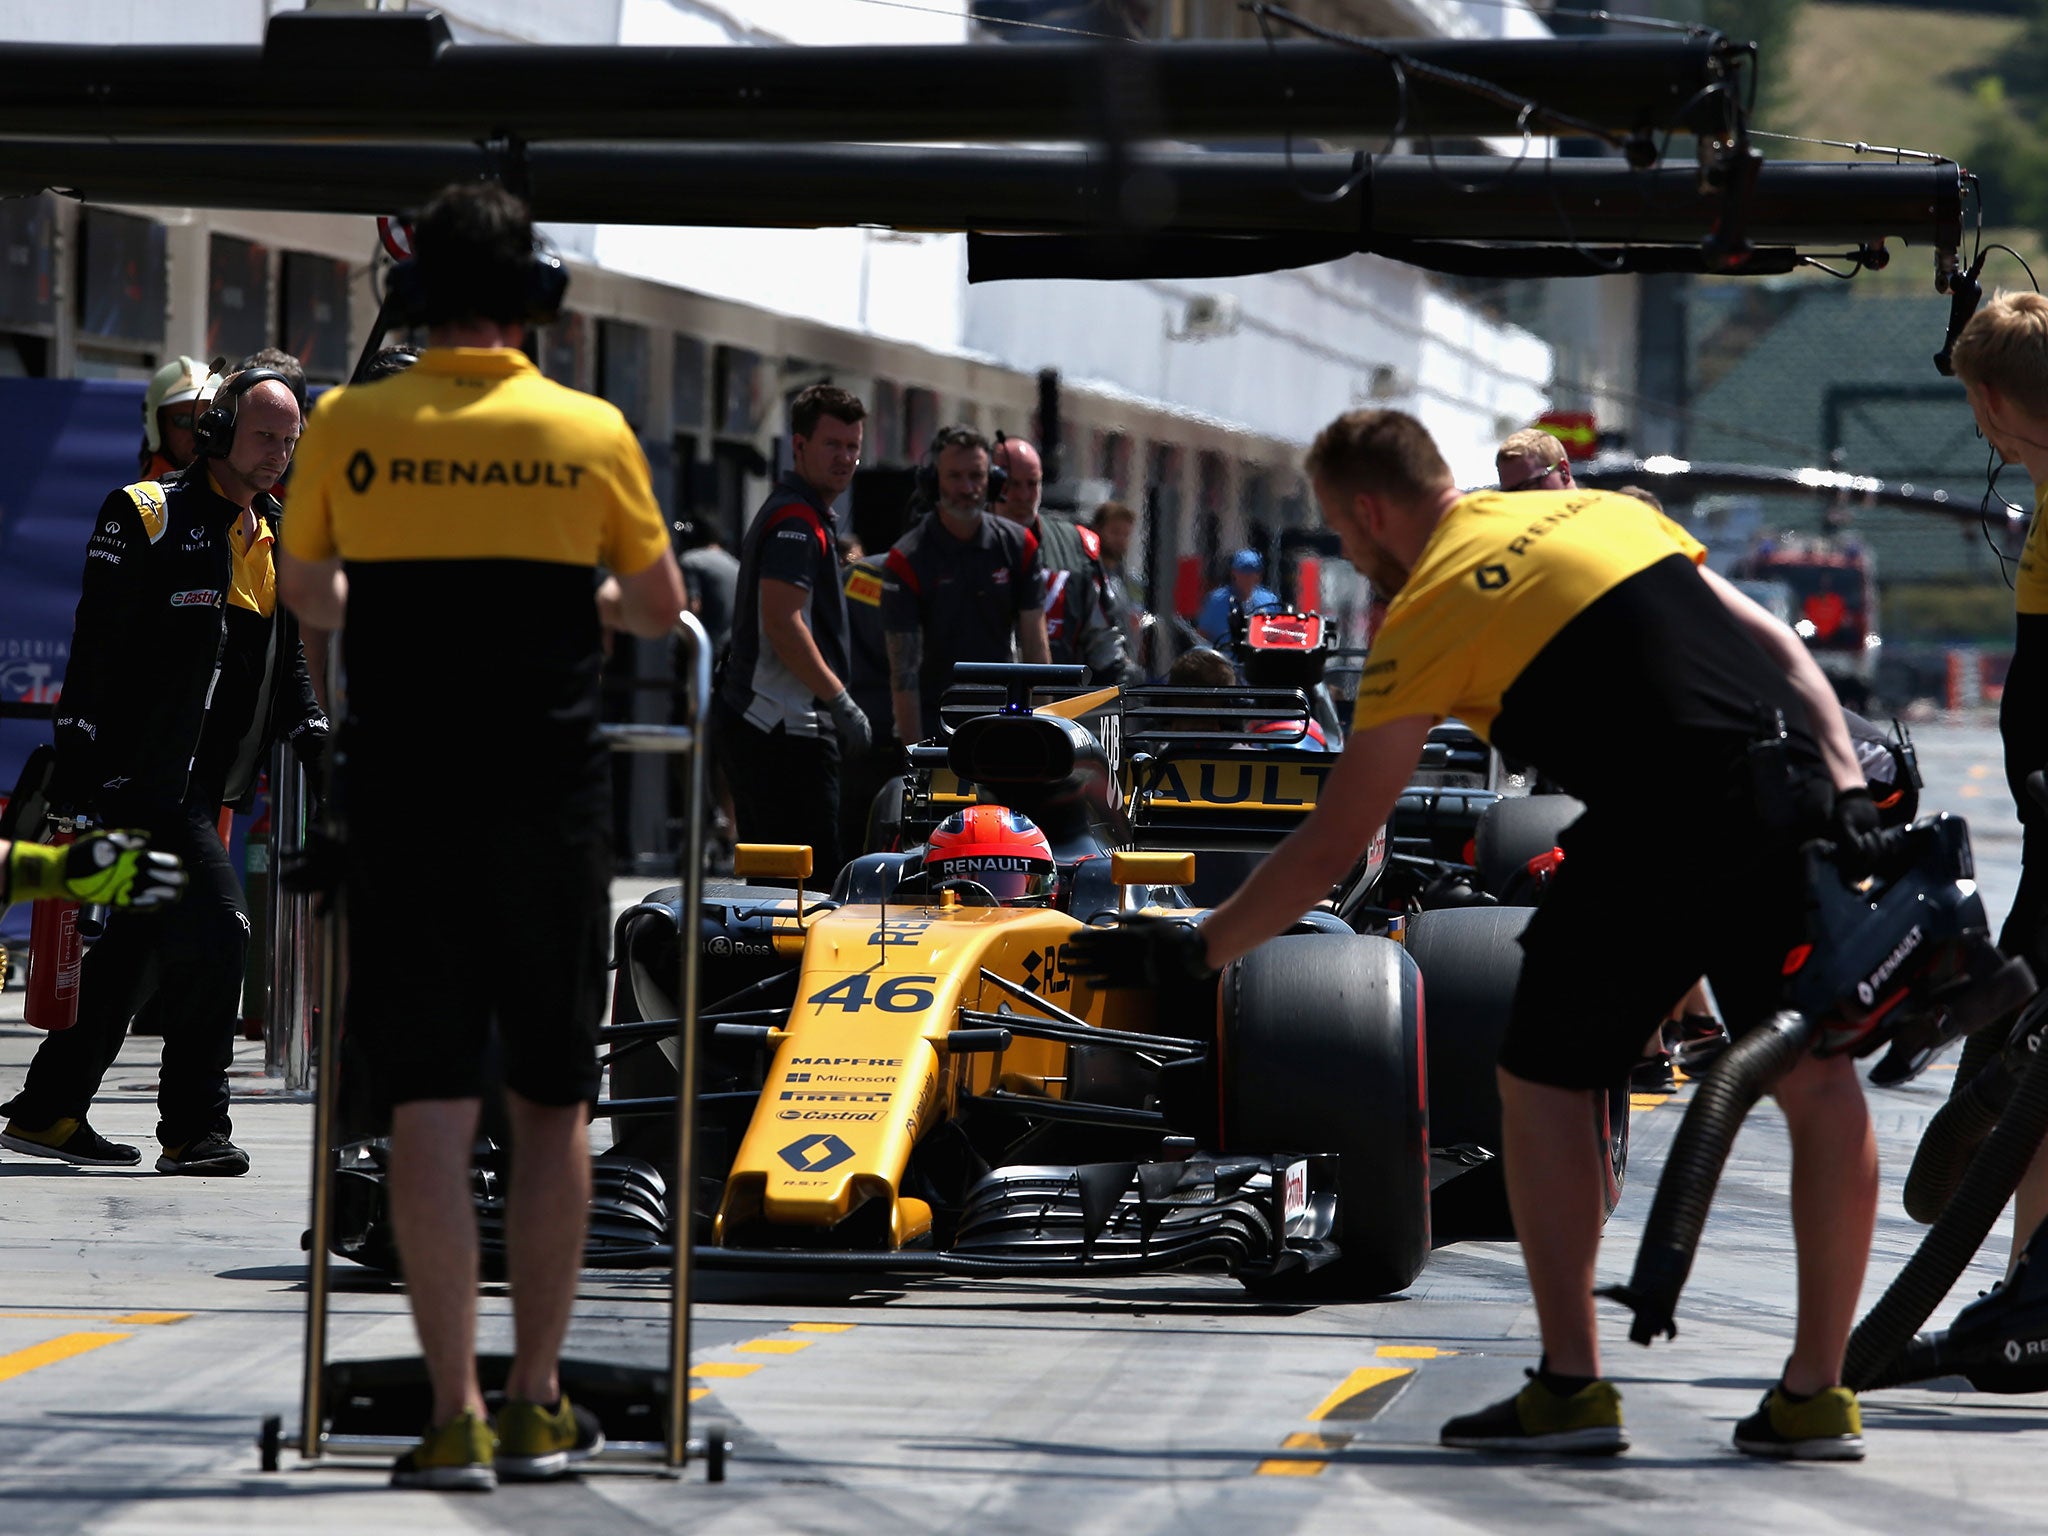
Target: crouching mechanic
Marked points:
1533	618
470	497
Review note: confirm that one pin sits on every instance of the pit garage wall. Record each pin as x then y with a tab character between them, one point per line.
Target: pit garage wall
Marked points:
1307	345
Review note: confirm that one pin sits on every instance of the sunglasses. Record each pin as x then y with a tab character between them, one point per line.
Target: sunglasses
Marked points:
1556	471
182	420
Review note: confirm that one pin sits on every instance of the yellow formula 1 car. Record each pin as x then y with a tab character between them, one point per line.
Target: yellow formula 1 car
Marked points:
902	1076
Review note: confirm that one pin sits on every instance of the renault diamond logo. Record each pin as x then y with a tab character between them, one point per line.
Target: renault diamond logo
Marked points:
362	469
1492	577
816	1153
2012	1351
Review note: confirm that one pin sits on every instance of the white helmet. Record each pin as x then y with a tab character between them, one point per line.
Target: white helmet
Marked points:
184	378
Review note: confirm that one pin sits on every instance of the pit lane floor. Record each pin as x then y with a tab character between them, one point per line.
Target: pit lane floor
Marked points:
148	1323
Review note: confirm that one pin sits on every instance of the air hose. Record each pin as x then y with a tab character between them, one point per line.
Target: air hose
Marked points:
1955	1237
1991	1068
1747	1070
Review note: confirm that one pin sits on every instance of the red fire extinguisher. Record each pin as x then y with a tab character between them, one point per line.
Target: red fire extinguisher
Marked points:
54	952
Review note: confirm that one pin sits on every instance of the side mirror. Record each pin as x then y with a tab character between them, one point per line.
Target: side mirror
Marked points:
1132	867
772	861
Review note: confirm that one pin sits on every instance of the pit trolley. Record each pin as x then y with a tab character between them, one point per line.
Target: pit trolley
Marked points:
375	1407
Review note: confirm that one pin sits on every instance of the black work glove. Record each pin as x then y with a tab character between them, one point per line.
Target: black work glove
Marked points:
855	734
1857	832
316	869
1140	951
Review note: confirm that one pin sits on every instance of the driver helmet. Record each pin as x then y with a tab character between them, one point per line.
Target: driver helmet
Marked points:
996	848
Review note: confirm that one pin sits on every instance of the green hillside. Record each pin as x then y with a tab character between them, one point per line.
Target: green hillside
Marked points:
1909	76
1885	74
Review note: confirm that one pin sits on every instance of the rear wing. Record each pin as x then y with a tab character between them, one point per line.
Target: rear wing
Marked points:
1219	769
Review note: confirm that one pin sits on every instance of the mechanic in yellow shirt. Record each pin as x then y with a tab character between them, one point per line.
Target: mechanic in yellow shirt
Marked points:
456	522
2001	356
1577	631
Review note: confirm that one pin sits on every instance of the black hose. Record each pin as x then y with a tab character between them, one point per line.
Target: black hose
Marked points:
1993	1062
1952	1138
1747	1070
1955	1237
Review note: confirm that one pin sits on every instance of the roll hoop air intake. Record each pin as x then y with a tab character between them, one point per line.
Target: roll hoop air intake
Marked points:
1905	956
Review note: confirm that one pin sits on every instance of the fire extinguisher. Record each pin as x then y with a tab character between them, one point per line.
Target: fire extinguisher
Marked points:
54	952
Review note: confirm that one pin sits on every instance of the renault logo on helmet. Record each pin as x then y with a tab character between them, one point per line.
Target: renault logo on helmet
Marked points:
362	469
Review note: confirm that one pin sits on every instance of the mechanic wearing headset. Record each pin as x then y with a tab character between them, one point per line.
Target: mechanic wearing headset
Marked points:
183	672
457	519
957	586
1079	627
2001	356
1532	618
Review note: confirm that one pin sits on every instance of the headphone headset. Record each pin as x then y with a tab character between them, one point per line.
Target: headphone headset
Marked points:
928	471
214	431
546	283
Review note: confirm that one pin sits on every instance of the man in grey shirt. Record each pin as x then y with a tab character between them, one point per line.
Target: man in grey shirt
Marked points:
711	572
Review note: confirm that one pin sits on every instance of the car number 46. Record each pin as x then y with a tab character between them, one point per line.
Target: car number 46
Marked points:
898	994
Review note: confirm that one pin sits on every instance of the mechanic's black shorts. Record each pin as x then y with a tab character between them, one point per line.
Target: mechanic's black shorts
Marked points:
516	940
1634	916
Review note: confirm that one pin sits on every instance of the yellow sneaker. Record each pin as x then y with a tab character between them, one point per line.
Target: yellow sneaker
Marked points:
459	1456
1588	1423
537	1443
1827	1426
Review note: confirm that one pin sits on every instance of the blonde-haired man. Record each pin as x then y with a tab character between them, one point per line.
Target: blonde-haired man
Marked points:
2002	359
1533	460
1528	617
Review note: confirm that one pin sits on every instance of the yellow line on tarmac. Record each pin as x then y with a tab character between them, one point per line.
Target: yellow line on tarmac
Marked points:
141	1318
1412	1352
22	1361
821	1327
1302	1466
724	1369
775	1346
1344	1403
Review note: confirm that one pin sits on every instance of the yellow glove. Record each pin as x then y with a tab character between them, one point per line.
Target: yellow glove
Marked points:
114	869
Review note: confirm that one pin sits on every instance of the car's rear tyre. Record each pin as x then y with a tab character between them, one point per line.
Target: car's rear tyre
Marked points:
1471	959
1514	831
1321	1051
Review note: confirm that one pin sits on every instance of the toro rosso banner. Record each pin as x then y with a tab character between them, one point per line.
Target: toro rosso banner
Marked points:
69	442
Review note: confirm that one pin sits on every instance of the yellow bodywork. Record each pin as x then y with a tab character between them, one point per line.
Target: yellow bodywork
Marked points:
861	1071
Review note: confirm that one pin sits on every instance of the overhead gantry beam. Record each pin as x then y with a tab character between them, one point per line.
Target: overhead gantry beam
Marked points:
1827	205
398	76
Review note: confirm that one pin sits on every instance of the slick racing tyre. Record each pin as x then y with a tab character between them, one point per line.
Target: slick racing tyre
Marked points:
1322	1052
1514	831
1470	959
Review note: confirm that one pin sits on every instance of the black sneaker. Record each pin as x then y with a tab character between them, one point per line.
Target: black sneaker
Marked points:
70	1141
1653	1074
1588	1423
212	1153
537	1443
1827	1426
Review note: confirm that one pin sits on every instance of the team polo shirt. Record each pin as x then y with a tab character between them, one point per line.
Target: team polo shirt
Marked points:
1571	629
793	538
962	595
2031	588
472	503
